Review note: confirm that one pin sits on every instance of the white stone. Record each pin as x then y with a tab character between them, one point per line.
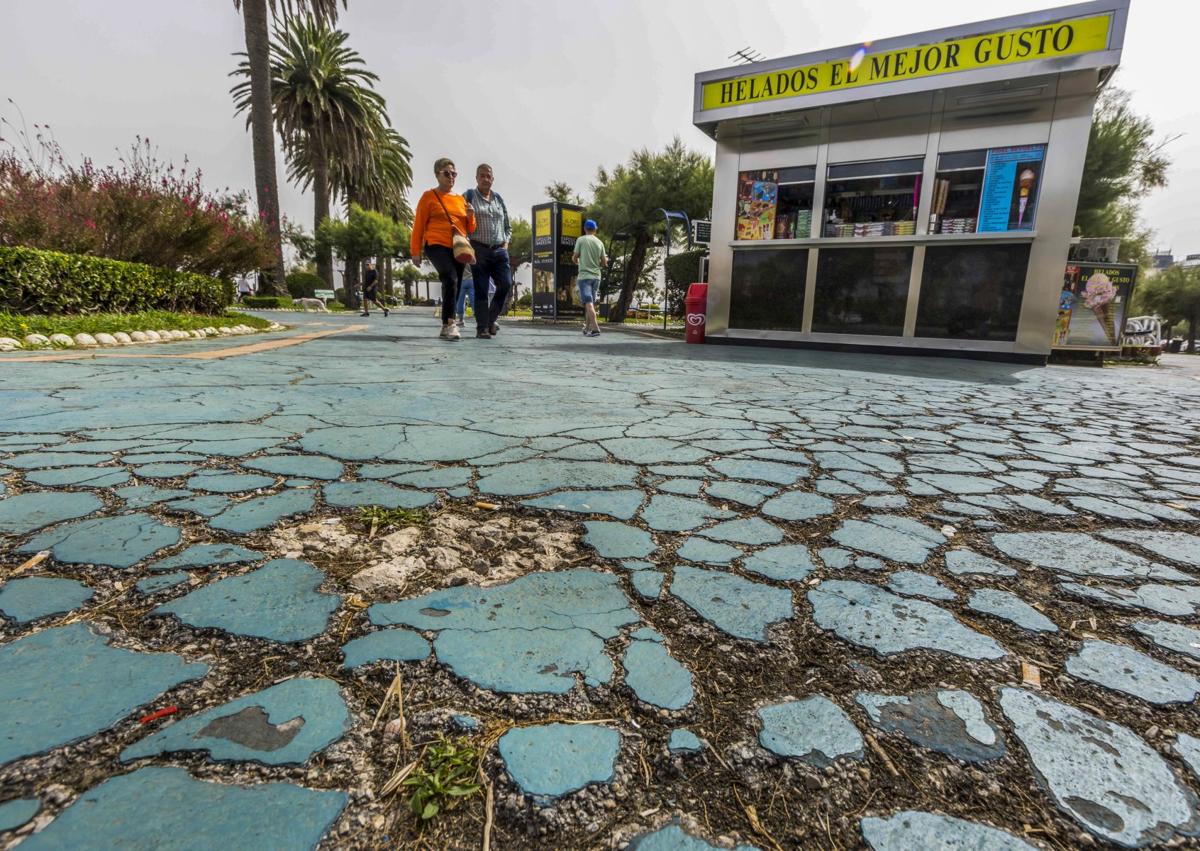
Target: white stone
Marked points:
62	341
139	337
224	330
210	331
387	577
85	340
152	336
106	340
122	338
197	334
180	335
164	336
8	344
36	340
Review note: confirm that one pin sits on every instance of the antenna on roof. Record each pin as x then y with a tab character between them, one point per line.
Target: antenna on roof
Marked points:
747	55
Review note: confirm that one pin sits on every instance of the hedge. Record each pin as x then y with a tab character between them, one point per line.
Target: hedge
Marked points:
302	284
48	282
268	301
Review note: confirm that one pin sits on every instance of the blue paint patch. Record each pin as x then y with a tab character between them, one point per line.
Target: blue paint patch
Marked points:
683	741
622	504
263	511
815	730
278	601
666	513
110	541
28	512
79	477
1010	607
647	584
397	645
913	584
554	759
354	494
142	496
40	669
753	531
159	583
743	493
203	506
890	537
618	540
15	813
190	813
302	466
34	597
734	605
207	555
707	552
933	832
229	482
965	561
656	677
285	724
786	563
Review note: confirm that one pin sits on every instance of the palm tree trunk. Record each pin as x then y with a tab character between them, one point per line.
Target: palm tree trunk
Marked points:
633	268
254	17
321	212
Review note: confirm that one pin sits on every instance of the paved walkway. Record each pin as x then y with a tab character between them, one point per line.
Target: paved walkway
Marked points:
800	599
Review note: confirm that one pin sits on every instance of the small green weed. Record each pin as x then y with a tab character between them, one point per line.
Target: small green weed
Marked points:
445	776
378	517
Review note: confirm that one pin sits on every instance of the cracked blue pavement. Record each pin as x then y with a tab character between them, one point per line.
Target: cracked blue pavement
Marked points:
904	523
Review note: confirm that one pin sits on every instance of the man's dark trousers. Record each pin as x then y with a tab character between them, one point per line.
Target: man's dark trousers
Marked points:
491	264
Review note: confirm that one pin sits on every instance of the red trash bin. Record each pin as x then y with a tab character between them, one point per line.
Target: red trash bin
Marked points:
696	306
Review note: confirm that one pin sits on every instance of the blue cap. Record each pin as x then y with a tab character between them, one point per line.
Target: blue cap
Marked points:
590	224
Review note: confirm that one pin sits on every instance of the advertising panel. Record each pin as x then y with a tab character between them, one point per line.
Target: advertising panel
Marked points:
1092	305
1011	178
543	260
758	194
570	228
555	228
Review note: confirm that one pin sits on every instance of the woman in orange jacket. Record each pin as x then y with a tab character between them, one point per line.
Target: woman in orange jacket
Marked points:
439	214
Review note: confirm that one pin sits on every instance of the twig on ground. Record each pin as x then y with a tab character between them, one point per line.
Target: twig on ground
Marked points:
882	754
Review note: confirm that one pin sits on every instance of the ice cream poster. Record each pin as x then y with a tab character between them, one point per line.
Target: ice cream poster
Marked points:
1092	305
1011	178
758	192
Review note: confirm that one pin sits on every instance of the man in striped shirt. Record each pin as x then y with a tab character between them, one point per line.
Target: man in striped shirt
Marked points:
493	231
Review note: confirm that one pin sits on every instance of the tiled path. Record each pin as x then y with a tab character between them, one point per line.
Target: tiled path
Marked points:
802	599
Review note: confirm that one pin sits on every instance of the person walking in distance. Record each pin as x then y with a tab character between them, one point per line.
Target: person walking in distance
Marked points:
591	257
440	214
371	291
493	231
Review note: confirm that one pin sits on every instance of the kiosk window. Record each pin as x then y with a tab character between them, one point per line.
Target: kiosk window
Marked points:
876	198
768	289
862	290
775	203
972	292
990	190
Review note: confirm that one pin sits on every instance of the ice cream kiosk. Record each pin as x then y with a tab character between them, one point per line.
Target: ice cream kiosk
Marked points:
914	194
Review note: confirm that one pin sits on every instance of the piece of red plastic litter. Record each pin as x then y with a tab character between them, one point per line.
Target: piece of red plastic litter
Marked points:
161	713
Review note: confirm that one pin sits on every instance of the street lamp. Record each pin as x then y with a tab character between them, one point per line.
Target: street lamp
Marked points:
668	215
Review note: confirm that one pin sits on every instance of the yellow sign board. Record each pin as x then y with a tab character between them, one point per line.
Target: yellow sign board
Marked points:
541	223
1044	41
572	223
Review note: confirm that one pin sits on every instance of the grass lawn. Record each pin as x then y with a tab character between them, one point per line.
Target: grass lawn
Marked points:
18	325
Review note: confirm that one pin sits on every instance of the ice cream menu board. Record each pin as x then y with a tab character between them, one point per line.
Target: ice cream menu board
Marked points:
1092	305
1008	200
758	193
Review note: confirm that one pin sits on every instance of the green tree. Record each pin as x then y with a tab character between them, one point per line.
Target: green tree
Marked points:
561	192
409	275
631	198
1173	294
325	107
1122	166
363	233
255	24
520	248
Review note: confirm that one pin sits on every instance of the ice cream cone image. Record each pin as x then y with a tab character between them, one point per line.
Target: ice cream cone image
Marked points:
1025	179
1099	295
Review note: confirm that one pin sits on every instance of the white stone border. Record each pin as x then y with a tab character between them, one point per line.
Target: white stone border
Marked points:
126	338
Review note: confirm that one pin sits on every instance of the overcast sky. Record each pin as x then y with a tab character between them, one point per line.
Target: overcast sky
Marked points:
542	90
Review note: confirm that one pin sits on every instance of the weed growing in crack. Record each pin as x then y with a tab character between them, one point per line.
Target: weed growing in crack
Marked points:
378	517
444	776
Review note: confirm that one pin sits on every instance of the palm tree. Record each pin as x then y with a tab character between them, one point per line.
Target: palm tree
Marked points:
255	22
324	107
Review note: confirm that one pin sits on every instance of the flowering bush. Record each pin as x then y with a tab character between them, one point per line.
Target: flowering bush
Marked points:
141	210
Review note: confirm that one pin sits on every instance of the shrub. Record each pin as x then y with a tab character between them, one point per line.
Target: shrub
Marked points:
340	294
142	211
680	271
47	282
303	284
268	301
525	301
